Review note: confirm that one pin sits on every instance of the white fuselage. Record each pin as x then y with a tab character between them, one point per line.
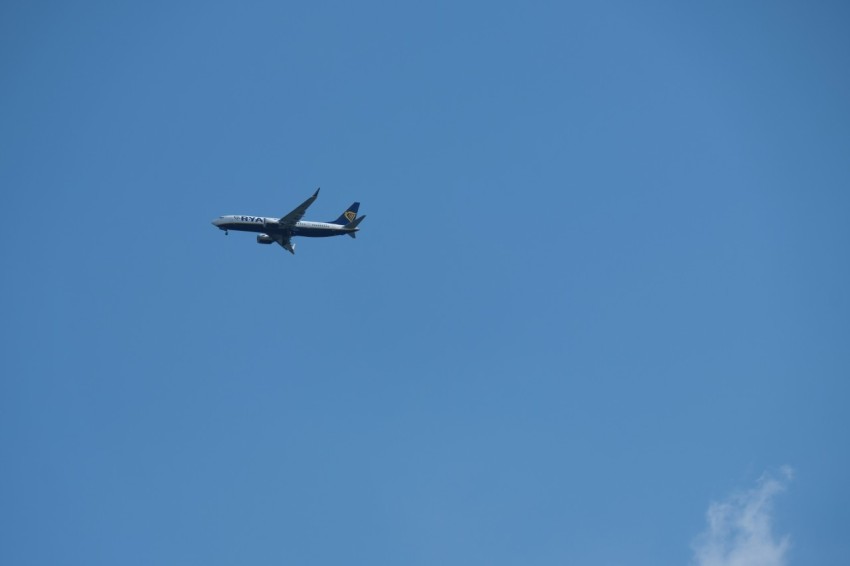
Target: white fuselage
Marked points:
262	224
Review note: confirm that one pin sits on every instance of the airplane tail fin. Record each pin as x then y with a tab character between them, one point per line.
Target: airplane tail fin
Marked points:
348	216
352	226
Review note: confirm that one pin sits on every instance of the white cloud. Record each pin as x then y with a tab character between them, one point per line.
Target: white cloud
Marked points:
739	529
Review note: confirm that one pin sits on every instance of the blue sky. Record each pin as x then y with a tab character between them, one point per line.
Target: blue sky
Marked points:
600	296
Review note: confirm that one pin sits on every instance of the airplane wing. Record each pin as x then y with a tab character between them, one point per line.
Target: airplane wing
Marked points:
285	242
293	217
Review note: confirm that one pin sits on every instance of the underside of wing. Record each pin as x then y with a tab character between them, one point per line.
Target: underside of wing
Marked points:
293	217
284	240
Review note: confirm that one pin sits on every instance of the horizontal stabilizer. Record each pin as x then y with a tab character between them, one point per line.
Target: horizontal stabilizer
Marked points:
351	227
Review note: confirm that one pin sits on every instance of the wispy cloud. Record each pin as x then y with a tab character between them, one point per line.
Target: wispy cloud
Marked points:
739	531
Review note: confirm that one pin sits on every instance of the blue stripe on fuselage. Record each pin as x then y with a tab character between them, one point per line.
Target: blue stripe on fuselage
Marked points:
316	232
260	229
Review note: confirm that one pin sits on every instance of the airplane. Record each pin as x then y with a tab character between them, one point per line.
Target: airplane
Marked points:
282	230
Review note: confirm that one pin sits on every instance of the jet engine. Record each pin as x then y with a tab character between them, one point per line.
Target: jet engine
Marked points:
264	239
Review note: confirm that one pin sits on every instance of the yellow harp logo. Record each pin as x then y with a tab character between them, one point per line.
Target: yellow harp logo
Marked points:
350	215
